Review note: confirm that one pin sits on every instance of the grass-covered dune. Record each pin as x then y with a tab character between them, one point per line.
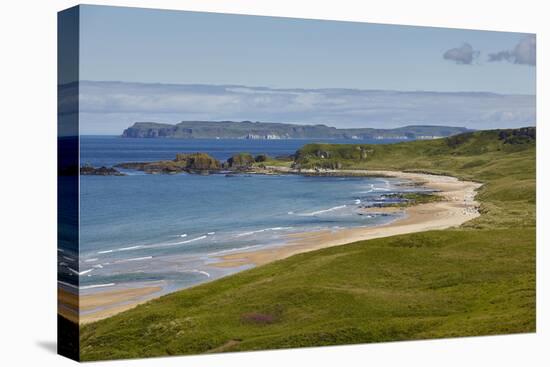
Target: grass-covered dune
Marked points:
475	280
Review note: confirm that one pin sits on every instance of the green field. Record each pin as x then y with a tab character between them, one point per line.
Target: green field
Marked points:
475	280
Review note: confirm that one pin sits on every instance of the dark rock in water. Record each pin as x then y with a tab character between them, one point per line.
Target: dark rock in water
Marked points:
200	163
139	166
88	170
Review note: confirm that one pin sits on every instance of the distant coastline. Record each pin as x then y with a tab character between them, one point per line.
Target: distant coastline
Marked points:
272	131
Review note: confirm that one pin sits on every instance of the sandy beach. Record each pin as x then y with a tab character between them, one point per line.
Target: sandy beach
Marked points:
107	303
457	206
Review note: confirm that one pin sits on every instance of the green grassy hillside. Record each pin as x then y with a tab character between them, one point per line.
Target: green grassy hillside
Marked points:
502	159
475	280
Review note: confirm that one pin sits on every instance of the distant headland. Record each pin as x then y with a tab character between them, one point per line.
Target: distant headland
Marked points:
270	130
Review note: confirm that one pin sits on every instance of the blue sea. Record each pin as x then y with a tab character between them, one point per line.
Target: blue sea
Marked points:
168	229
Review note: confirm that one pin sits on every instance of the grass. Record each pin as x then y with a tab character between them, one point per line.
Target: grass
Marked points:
478	279
275	162
505	166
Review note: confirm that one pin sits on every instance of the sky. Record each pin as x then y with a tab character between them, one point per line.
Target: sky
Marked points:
153	51
110	107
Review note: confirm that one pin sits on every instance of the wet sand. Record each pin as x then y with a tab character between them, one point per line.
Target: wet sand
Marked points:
457	206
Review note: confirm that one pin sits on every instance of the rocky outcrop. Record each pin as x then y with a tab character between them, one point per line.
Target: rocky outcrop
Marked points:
88	170
198	161
191	163
240	161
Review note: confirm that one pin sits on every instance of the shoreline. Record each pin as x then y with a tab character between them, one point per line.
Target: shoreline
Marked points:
458	206
106	303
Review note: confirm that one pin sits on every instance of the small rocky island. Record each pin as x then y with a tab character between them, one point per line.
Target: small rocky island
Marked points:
88	170
200	163
195	163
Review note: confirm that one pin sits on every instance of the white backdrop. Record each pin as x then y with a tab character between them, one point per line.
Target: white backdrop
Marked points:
28	182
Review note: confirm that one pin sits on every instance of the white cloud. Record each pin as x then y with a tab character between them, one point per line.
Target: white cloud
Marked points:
464	54
525	52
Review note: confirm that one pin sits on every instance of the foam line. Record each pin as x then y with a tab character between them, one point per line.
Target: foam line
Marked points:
134	259
129	248
184	242
86	286
97	286
261	231
81	273
324	211
201	272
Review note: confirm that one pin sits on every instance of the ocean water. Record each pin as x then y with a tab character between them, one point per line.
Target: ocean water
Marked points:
168	229
110	150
